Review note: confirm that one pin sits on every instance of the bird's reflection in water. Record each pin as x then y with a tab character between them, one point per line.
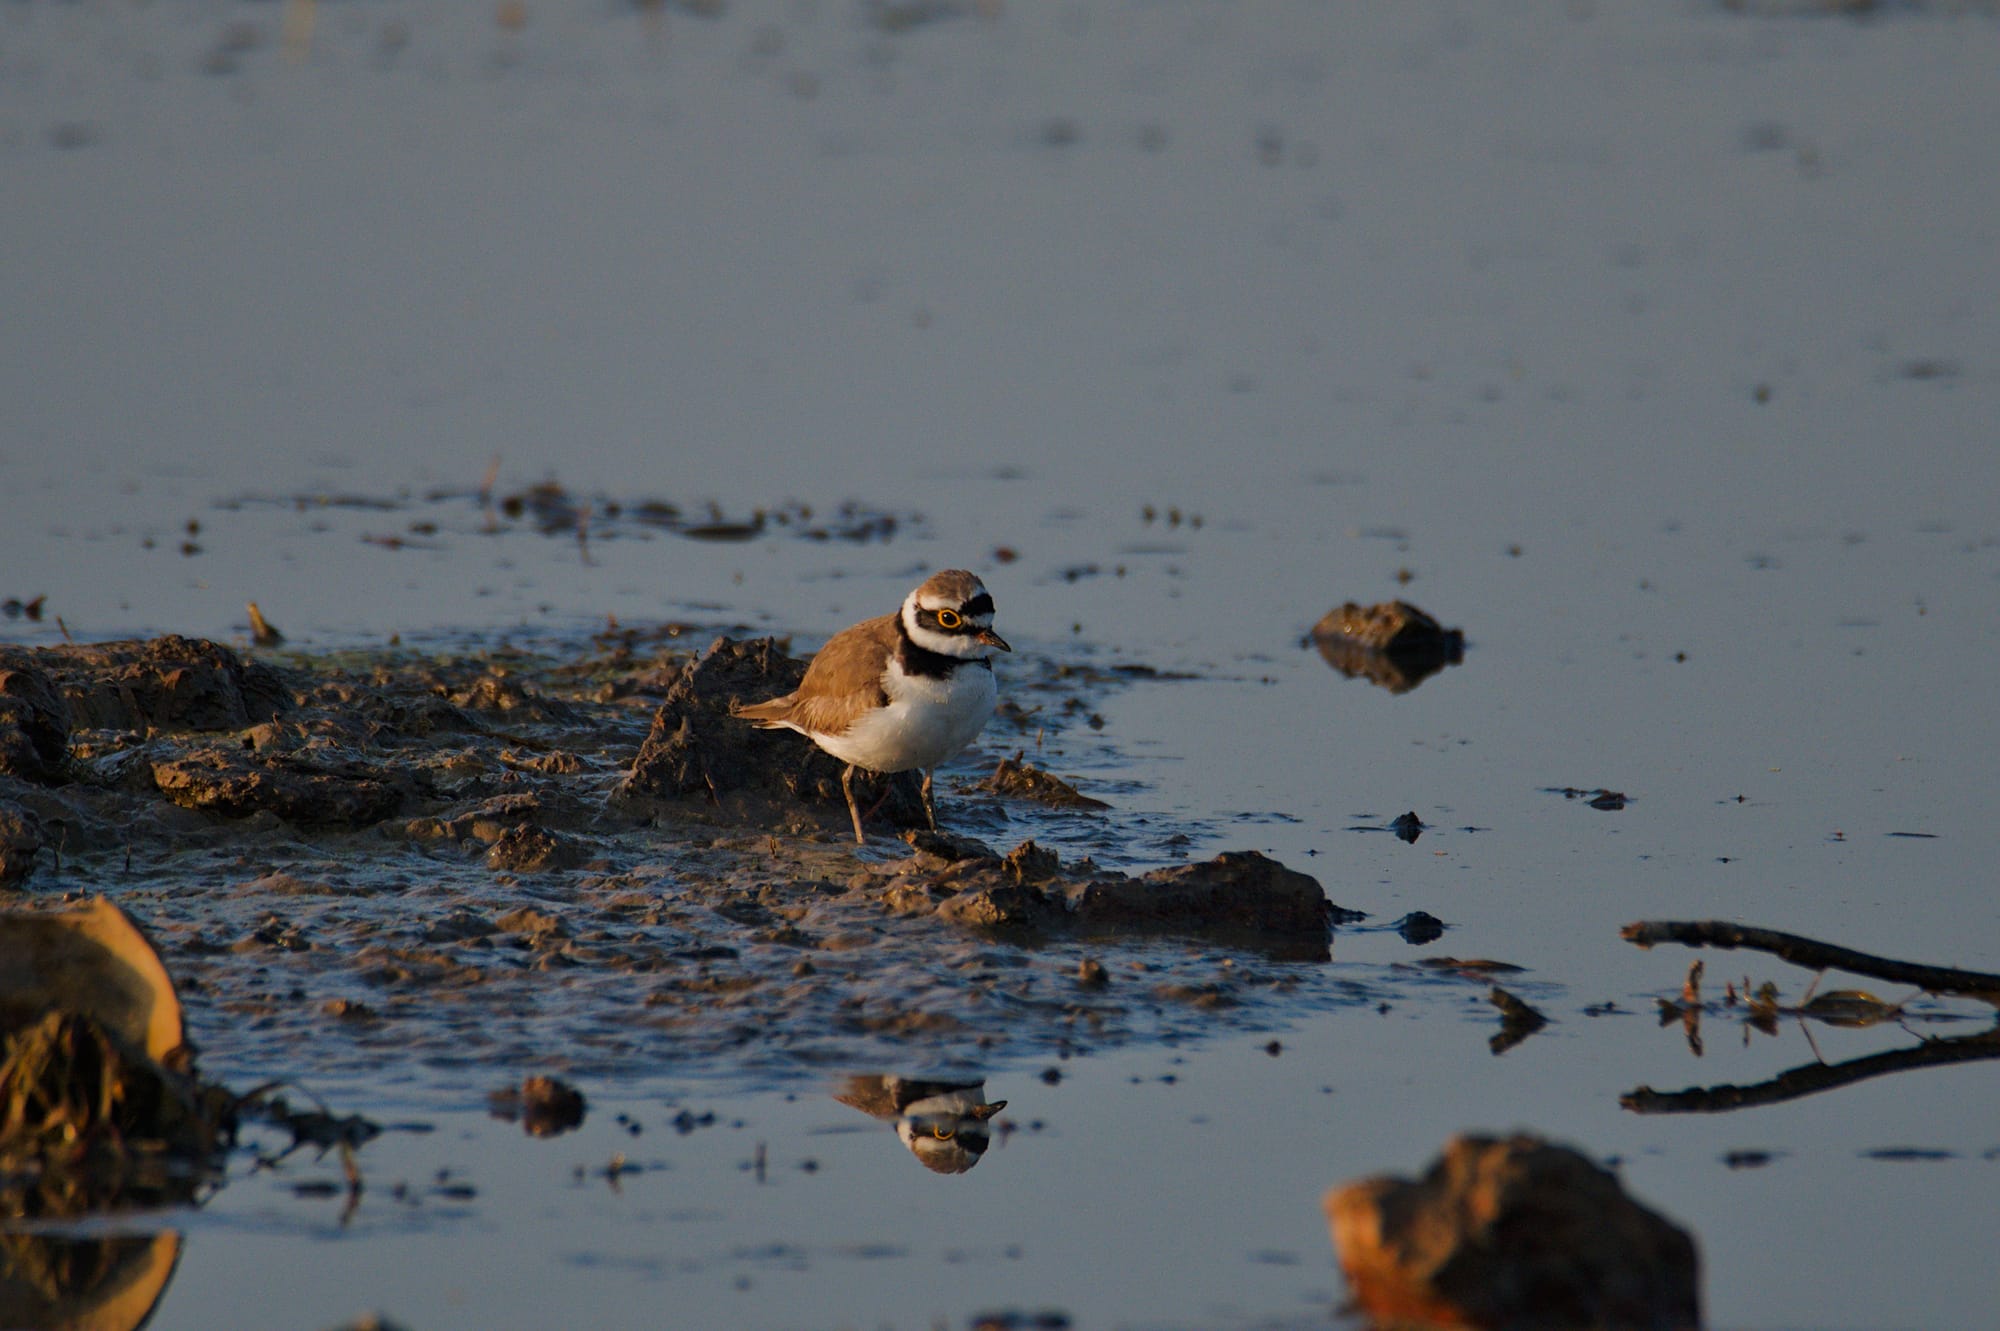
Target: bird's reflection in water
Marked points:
944	1123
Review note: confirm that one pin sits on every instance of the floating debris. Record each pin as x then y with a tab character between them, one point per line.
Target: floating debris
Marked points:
1599	798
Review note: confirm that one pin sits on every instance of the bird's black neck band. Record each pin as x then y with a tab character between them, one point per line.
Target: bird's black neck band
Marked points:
917	659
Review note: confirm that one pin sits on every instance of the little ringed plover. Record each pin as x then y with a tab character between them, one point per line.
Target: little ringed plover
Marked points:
900	691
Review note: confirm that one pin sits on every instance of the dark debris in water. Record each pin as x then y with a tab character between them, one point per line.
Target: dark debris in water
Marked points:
1599	798
550	508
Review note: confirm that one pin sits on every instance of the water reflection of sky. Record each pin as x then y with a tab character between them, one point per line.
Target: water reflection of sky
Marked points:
1646	342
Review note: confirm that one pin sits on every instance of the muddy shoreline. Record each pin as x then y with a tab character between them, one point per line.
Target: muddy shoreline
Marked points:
496	862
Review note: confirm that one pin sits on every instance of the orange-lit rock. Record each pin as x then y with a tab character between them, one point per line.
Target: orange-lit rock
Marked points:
1511	1234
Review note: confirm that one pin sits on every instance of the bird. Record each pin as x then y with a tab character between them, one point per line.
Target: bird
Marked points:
899	692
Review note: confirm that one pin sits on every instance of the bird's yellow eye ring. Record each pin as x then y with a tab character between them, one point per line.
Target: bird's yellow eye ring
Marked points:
941	1132
949	619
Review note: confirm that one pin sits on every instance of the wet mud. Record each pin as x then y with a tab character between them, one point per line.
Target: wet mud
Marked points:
502	863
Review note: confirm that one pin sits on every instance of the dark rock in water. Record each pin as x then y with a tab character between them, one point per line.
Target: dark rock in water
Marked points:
1238	894
34	721
550	1106
1513	1233
20	838
697	751
1030	863
1237	890
227	782
1392	644
1023	780
1420	927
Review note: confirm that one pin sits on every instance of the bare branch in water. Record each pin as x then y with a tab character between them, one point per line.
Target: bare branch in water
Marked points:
1814	955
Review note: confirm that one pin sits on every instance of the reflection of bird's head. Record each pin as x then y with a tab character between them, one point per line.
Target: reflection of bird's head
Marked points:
948	1132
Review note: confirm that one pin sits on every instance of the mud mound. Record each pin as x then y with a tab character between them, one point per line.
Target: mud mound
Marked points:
698	754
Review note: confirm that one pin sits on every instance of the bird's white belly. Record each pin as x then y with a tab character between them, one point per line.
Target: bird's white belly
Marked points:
926	721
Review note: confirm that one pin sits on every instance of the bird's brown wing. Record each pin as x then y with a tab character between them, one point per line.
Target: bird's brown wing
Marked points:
843	682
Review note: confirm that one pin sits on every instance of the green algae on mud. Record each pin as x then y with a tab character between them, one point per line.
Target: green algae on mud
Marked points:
493	861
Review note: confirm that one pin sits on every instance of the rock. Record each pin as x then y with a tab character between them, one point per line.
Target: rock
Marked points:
697	751
1392	644
1029	863
1512	1234
550	1106
1007	904
1238	890
1419	927
20	839
1237	895
230	783
1022	780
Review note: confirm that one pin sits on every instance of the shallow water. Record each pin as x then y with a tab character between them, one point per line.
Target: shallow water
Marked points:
1653	344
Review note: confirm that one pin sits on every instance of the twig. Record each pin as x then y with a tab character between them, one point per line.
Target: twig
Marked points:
1815	955
1813	1078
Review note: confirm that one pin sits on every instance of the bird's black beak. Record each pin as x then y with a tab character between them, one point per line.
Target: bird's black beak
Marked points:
991	639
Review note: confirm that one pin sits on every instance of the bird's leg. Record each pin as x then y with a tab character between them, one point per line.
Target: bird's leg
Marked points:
847	789
930	811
